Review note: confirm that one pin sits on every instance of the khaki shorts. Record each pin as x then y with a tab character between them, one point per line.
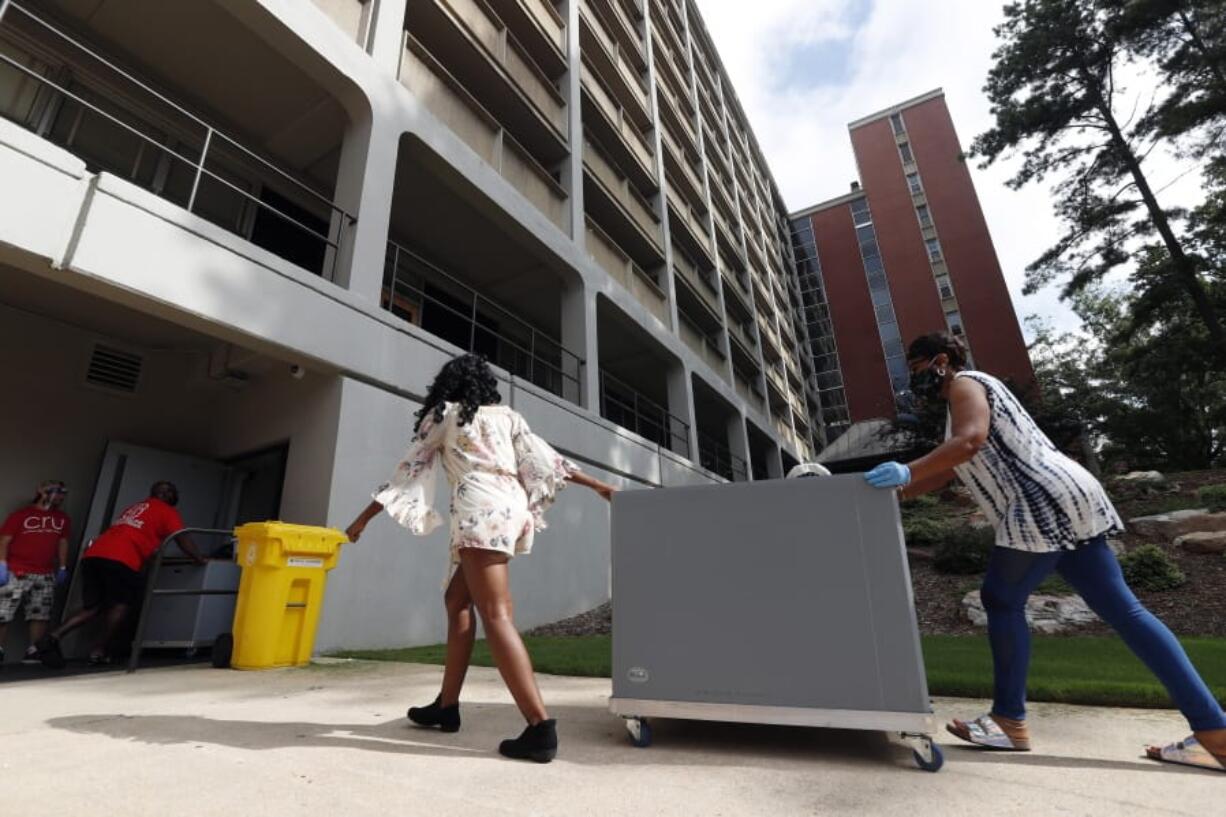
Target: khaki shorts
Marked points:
37	590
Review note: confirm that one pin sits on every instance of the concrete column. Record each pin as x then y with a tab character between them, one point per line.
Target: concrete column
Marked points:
774	461
385	33
572	169
579	335
364	188
738	442
681	402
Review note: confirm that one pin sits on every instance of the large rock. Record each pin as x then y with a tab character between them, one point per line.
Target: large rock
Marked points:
1044	614
1167	526
1206	542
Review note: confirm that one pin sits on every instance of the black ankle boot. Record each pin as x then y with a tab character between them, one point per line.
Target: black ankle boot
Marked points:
539	743
446	718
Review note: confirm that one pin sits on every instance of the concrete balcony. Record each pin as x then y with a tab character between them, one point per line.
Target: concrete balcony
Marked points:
725	233
686	225
481	54
621	268
636	215
605	117
609	59
347	14
734	287
701	282
668	71
673	115
662	21
452	104
705	346
681	172
540	28
772	346
749	391
621	20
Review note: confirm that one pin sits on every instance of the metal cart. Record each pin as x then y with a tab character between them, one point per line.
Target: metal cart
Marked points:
778	602
202	603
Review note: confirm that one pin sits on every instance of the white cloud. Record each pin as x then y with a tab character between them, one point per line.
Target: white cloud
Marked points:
901	48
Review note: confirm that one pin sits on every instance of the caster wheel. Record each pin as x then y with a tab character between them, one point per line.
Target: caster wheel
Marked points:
640	732
934	760
223	649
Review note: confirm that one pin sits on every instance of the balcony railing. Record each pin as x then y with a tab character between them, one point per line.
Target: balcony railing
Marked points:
424	294
620	190
632	411
619	120
716	457
316	241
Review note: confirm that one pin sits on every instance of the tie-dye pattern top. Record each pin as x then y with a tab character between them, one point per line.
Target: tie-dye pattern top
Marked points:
1038	499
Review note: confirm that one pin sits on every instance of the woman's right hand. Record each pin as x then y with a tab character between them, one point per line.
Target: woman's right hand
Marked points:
606	491
354	531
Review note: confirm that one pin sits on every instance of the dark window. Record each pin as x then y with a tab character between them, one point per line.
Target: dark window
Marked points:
897	124
904	150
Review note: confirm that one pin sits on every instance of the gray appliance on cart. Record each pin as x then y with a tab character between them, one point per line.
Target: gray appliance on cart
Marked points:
777	602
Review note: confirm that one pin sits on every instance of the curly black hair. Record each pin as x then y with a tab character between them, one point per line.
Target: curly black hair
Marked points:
466	380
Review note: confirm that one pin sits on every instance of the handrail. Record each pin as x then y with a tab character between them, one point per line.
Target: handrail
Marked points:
399	285
724	462
138	639
670	436
210	132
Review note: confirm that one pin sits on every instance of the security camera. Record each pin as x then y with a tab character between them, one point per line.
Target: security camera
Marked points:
296	371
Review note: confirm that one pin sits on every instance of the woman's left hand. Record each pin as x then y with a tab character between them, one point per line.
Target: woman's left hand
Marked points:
889	475
606	491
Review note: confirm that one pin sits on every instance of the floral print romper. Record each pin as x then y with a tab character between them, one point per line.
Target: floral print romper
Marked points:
503	478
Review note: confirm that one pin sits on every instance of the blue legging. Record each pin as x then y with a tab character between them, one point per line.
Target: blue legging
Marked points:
1095	574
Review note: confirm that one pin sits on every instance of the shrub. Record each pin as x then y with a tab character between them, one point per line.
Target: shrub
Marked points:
1055	585
1149	567
964	550
1213	497
925	532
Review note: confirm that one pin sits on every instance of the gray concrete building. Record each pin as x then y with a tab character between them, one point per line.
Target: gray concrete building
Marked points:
238	238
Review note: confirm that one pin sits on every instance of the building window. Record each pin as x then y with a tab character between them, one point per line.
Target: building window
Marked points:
925	218
954	319
934	249
860	215
896	123
945	287
913	183
904	150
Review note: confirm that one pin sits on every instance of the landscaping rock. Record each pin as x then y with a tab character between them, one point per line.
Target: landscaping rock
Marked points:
1204	542
1143	478
978	520
1045	614
1117	547
1168	526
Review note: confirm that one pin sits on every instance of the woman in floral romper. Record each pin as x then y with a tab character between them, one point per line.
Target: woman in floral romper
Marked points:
503	478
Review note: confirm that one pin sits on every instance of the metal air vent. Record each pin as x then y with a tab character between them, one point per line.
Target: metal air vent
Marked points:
114	369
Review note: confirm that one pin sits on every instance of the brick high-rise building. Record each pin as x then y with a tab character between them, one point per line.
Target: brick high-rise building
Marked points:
907	251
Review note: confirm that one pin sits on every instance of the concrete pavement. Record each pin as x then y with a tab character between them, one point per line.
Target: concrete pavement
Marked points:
332	740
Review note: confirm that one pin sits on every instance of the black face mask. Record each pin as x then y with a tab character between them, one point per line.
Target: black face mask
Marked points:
926	384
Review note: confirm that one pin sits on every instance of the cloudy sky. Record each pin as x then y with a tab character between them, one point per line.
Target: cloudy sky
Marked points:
805	68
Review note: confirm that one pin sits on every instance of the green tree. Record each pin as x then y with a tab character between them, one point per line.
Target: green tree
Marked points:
1053	93
1186	40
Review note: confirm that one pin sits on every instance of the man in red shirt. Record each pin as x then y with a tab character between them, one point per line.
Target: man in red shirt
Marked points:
33	561
111	569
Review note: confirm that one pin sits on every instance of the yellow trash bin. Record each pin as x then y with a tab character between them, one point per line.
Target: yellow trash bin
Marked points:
281	591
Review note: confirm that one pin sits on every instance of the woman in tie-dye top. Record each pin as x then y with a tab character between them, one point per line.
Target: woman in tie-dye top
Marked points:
1050	514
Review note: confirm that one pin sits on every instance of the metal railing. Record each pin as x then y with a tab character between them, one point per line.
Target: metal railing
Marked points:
634	412
527	353
210	138
717	457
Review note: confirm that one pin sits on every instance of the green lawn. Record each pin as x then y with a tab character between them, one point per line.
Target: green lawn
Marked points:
1094	671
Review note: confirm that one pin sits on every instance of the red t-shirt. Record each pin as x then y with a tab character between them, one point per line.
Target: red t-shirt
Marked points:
36	535
137	533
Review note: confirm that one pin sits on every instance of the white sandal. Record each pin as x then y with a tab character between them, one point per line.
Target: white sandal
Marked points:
986	732
1187	752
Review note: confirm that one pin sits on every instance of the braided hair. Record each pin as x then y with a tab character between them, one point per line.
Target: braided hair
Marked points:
466	380
935	343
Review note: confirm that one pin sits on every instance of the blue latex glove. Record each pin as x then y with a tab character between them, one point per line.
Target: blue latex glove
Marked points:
889	475
4	574
61	577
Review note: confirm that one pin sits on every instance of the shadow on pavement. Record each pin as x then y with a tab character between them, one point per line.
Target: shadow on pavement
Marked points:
15	672
971	754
